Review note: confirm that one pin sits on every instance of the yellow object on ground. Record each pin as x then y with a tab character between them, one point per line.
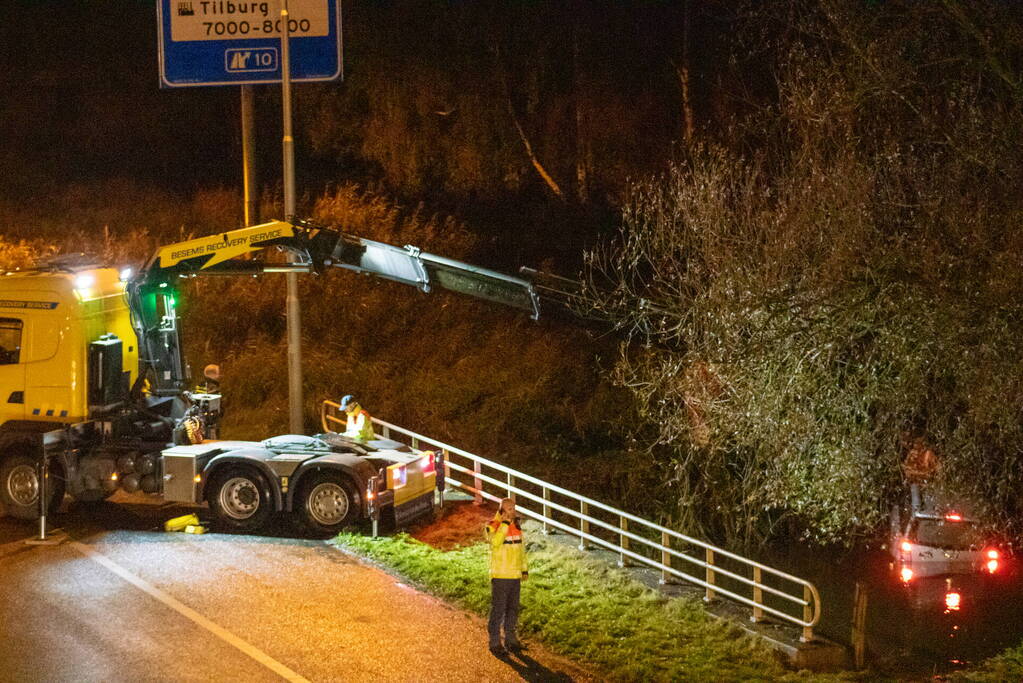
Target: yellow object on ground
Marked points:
193	529
179	523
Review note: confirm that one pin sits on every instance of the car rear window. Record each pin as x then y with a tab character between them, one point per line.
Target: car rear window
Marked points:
950	535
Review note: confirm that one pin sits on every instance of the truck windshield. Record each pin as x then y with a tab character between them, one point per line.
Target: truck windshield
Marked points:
950	535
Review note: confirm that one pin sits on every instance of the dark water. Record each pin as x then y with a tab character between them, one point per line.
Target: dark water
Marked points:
930	625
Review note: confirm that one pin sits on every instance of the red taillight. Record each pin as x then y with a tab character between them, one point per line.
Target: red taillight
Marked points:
952	601
906	546
371	495
428	465
906	574
954	517
992	556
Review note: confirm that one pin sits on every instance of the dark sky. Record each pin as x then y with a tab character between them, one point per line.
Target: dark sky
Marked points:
81	100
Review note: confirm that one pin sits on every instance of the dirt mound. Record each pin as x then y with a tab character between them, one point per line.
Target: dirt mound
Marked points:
460	523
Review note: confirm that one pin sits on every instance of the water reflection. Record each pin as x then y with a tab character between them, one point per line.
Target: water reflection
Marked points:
931	624
948	617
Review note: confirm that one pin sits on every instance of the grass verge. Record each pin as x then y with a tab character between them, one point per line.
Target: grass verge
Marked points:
1007	666
581	608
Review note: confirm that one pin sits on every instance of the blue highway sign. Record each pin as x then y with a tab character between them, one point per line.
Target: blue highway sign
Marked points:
233	42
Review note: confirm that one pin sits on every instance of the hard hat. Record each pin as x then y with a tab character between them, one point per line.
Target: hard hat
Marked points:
347	400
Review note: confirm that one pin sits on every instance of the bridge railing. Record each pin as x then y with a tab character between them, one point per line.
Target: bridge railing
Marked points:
767	591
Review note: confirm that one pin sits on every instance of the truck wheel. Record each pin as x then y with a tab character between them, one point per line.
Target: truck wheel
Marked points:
240	499
19	487
328	503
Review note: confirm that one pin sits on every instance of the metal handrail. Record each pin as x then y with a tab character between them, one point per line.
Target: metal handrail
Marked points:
757	606
618	531
809	599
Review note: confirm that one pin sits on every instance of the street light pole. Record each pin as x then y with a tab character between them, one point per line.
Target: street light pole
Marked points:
249	156
294	311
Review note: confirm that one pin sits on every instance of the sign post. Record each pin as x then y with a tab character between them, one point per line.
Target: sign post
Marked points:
294	311
251	186
238	42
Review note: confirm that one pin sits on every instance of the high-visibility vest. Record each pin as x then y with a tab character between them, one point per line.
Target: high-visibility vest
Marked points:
359	426
507	551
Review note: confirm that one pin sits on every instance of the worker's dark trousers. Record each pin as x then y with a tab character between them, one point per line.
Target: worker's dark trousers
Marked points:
504	609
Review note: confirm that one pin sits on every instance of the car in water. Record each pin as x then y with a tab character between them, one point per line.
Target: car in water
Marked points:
935	536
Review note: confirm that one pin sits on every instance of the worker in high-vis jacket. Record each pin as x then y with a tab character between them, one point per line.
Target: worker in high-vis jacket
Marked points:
508	569
358	426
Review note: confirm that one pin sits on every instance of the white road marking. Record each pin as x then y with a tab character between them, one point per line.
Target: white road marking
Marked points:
189	613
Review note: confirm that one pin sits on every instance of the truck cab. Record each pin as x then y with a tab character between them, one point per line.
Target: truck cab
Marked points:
49	320
68	361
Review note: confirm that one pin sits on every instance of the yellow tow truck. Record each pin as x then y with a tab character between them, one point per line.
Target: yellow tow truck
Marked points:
94	388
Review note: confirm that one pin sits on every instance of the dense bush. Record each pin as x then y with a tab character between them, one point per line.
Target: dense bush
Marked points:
843	285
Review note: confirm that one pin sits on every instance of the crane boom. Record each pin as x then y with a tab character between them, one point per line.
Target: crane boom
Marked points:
292	247
314	248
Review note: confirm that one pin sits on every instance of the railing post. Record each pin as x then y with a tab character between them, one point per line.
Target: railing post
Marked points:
623	541
807	615
709	595
758	597
546	511
477	483
584	525
665	557
387	432
511	484
415	444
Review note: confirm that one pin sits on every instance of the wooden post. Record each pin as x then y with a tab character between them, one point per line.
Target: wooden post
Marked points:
665	557
709	595
758	597
584	525
807	615
477	483
859	625
511	484
623	541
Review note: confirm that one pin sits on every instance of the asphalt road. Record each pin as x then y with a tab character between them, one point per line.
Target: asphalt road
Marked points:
121	600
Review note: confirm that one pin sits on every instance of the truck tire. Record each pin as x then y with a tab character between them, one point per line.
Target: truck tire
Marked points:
327	503
19	487
240	499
